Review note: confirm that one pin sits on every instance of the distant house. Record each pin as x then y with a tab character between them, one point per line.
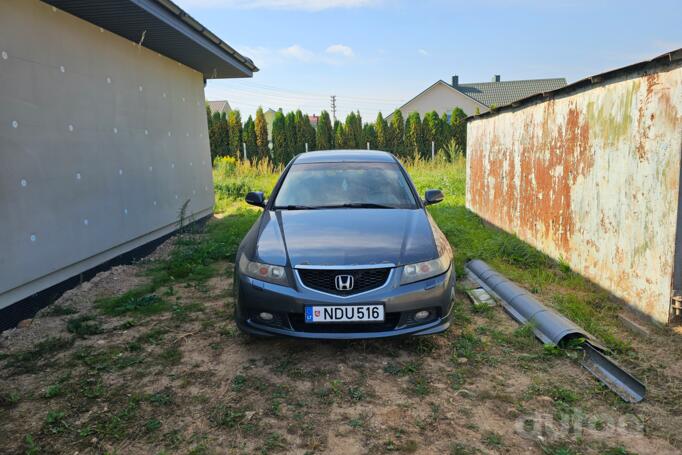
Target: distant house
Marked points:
314	119
219	106
476	97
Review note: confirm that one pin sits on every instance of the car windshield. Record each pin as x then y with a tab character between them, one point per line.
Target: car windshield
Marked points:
341	185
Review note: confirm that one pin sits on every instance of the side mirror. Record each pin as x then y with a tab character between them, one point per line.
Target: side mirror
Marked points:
256	198
433	197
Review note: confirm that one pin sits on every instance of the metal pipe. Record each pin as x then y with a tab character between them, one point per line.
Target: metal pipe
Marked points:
551	327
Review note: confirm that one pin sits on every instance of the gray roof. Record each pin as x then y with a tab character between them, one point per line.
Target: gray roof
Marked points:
219	106
659	63
162	26
506	92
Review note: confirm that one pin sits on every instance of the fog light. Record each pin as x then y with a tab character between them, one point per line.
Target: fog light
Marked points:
266	316
419	315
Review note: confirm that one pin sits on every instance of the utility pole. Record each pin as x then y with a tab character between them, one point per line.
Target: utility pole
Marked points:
333	108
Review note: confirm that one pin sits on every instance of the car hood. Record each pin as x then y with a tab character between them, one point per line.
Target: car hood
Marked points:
345	237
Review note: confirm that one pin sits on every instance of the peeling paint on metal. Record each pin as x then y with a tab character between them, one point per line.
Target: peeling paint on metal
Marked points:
591	178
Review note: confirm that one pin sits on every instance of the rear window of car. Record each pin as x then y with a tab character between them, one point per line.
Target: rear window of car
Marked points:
319	185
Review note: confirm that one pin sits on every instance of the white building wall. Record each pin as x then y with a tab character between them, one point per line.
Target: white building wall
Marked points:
441	98
101	143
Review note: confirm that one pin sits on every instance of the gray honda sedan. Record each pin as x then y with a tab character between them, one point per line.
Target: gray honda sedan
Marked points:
344	249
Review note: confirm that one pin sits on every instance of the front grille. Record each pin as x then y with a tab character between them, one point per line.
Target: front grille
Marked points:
363	279
298	323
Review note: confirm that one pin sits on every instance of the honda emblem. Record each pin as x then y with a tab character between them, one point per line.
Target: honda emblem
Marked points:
344	282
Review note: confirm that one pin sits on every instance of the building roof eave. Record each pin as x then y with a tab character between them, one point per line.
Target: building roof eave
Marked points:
162	26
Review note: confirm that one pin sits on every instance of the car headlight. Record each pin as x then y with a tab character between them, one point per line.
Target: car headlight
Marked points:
424	270
265	272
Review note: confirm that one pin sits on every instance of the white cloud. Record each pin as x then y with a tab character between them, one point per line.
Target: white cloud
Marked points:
261	56
423	52
305	5
297	52
264	57
340	49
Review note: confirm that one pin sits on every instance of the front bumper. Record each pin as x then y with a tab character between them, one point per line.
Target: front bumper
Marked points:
400	303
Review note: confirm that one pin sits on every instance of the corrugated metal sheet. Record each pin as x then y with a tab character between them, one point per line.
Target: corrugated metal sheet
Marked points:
590	176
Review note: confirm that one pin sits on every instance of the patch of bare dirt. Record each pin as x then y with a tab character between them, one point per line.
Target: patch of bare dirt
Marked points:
186	380
80	299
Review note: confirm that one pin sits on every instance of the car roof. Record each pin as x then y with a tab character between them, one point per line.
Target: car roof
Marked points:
333	156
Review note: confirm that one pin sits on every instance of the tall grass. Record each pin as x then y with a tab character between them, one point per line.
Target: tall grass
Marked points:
234	178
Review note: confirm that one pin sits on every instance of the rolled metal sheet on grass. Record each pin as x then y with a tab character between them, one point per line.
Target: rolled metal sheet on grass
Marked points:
551	327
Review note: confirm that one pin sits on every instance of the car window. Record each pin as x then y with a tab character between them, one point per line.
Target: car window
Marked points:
318	185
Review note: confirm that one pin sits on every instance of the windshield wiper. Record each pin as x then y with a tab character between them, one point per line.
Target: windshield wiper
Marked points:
295	207
356	205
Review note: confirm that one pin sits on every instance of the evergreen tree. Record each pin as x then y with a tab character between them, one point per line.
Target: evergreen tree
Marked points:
218	135
234	123
249	135
459	128
357	131
353	131
397	134
381	130
261	127
348	137
290	135
279	139
413	135
300	132
209	116
339	136
308	134
446	130
432	132
369	135
324	134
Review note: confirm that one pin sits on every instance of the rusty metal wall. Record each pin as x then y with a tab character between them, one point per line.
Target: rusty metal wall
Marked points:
590	177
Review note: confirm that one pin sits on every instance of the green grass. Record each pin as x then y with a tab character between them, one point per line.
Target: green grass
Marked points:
193	260
53	391
8	399
83	326
29	360
233	179
137	301
106	359
227	416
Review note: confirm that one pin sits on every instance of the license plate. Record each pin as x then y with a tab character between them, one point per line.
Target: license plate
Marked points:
345	313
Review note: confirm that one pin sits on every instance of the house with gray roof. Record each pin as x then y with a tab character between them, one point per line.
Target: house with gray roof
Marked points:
476	97
219	106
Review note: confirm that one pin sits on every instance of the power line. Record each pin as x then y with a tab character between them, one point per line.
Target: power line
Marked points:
302	94
296	99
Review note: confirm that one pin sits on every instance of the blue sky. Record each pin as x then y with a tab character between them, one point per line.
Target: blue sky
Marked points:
376	54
